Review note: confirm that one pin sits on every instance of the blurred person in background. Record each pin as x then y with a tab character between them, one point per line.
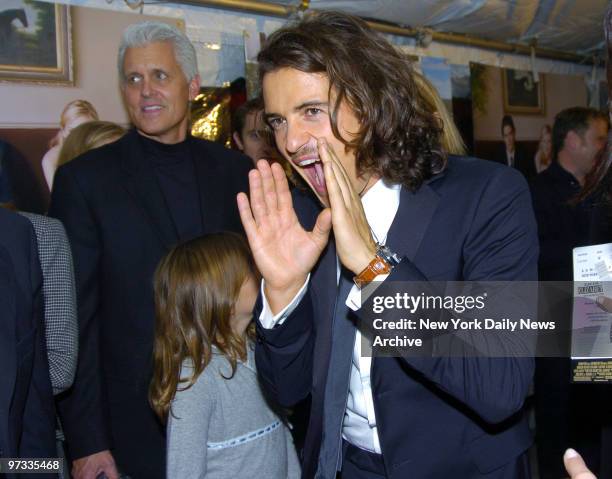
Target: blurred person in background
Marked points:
88	136
74	114
543	156
251	134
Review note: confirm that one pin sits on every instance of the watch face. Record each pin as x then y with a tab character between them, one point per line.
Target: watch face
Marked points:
381	267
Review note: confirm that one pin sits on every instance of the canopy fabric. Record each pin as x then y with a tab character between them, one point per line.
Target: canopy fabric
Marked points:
567	25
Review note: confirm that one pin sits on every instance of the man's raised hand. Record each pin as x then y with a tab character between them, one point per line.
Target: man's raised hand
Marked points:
354	242
284	252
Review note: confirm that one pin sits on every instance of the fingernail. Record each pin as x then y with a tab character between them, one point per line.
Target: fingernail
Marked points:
570	453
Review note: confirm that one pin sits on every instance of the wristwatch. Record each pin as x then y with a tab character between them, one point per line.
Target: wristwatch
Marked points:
384	261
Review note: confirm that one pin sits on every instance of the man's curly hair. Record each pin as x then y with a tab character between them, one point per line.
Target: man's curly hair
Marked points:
399	138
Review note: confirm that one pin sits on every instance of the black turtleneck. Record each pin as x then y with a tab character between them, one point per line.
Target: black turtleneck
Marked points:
175	171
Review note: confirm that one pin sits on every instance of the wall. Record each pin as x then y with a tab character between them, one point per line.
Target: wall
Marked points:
95	38
562	92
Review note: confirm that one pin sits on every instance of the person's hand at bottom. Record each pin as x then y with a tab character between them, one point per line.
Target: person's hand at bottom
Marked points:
575	466
90	467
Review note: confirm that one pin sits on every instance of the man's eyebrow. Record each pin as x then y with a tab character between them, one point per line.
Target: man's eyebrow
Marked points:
301	106
310	104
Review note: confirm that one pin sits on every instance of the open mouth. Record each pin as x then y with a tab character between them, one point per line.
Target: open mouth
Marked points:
312	167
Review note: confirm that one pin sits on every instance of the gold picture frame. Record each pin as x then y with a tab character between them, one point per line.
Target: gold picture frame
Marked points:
36	43
523	95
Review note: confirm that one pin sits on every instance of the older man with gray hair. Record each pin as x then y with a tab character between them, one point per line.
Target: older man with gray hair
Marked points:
124	205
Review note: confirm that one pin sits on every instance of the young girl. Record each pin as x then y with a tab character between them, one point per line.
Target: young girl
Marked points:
219	425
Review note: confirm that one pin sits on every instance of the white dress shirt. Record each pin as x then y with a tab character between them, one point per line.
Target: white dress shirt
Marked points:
380	204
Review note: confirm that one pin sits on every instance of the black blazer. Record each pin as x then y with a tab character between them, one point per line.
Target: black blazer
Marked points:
27	418
119	227
436	417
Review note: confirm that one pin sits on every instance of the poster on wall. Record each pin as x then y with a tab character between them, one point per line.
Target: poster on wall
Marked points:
35	42
501	101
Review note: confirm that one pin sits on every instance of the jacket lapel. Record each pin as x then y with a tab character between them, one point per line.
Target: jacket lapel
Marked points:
413	217
324	287
141	183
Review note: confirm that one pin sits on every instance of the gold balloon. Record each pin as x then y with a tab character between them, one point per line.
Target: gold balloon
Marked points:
211	116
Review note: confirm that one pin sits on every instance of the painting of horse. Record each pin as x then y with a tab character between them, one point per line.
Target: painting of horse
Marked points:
35	42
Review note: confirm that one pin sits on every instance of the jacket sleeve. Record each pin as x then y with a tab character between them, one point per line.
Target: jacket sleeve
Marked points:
83	409
60	306
284	354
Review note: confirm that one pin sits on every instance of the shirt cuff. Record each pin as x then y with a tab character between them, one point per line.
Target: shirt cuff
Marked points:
267	319
356	295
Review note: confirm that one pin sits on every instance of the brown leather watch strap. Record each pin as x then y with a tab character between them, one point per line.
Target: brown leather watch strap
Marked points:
377	266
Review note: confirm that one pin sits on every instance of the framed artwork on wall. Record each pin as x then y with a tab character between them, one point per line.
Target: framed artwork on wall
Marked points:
35	42
522	94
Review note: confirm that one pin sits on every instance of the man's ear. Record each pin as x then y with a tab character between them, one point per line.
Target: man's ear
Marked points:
572	140
238	141
194	87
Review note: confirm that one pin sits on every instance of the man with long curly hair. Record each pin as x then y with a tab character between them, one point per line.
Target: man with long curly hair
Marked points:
348	116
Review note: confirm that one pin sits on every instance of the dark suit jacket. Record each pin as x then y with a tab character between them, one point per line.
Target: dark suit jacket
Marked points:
522	162
27	419
436	417
119	228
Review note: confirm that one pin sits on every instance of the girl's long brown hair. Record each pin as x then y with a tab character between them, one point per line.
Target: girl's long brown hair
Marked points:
196	287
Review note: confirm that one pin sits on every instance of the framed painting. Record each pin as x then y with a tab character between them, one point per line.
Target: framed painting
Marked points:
522	94
35	42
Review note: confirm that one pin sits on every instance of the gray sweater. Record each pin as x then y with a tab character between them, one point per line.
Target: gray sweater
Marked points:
220	428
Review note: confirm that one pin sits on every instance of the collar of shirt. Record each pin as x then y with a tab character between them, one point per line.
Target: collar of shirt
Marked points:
563	176
380	204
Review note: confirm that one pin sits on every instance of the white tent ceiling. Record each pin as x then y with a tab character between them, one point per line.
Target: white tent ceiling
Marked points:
572	27
566	25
